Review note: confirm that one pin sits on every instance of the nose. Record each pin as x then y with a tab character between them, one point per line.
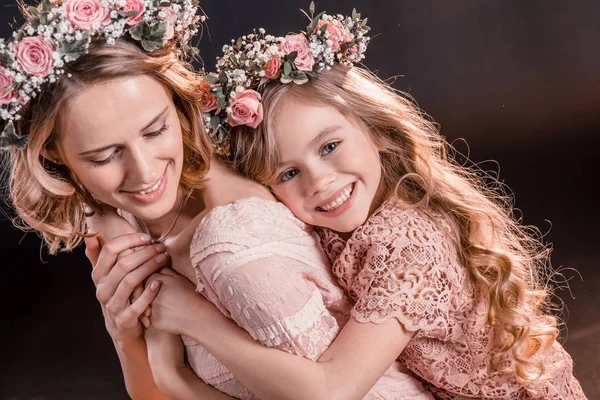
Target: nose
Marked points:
140	169
317	179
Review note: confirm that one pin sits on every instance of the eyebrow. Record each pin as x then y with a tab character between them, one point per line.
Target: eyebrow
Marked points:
317	139
152	122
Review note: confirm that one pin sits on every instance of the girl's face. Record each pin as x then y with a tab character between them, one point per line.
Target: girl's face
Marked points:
122	140
330	170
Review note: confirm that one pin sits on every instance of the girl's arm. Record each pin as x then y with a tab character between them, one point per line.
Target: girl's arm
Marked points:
348	369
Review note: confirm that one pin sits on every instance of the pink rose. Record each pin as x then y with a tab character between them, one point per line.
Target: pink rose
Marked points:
246	109
337	33
171	18
304	60
85	14
208	102
272	67
34	55
137	6
6	94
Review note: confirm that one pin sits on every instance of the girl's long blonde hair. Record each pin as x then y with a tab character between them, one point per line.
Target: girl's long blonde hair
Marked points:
46	196
505	259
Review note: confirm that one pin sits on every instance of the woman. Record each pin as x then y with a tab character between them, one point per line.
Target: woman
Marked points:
101	113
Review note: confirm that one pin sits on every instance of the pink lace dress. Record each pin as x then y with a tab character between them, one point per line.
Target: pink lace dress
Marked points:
265	269
402	264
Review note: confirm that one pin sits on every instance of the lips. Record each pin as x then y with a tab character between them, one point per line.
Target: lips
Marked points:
337	200
151	193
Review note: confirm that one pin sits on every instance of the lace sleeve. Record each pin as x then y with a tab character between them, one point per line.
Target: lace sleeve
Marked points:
410	272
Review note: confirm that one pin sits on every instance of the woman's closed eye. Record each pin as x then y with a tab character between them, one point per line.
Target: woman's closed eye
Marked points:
115	153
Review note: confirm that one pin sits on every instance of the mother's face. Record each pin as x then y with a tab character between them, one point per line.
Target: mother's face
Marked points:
122	139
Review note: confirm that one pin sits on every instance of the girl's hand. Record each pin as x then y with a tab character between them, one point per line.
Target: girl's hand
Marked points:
175	303
166	357
116	275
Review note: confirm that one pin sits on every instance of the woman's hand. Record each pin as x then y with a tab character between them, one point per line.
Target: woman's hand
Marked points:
116	275
177	303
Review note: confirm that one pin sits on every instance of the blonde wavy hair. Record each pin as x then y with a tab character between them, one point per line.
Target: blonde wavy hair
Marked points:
46	196
505	259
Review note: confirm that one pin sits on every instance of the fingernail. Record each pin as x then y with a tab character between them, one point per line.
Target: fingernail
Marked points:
154	285
145	238
160	247
161	258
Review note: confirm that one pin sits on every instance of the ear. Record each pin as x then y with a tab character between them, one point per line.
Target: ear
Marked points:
51	154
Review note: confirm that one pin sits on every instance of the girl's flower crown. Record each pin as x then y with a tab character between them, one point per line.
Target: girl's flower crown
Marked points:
230	96
60	31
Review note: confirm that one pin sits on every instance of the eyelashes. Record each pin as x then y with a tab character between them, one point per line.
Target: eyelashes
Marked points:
150	135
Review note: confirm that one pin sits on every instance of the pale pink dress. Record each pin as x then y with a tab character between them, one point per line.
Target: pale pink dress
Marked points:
402	264
265	269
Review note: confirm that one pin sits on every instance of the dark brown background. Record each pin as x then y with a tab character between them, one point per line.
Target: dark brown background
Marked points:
517	79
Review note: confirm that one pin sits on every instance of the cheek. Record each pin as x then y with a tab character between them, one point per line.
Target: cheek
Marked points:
288	196
100	180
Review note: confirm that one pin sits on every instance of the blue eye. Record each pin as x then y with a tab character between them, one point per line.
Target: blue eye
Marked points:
287	175
329	147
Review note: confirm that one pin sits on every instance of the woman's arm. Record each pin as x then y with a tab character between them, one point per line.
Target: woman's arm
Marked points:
122	319
171	373
348	369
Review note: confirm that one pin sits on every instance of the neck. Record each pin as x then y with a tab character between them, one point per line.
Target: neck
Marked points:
178	217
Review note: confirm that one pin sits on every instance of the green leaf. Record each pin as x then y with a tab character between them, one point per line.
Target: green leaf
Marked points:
354	13
136	32
311	74
363	23
222	77
239	43
47	5
315	21
213	80
75	49
5	58
312	8
285	79
34	11
257	68
323	29
151	37
214	122
222	102
244	56
300	77
44	19
291	57
287	68
9	138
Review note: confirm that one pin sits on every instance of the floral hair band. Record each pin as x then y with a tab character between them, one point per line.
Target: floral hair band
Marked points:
60	31
231	96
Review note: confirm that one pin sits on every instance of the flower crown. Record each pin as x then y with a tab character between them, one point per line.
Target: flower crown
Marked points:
60	31
230	97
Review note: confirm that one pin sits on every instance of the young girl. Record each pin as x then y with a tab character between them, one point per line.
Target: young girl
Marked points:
441	275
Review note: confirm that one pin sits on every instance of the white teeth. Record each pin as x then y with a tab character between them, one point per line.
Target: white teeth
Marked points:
337	202
152	189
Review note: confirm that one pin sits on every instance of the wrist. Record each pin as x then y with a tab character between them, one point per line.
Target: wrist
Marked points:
205	322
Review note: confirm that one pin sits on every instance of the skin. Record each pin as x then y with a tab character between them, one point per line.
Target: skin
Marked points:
363	351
